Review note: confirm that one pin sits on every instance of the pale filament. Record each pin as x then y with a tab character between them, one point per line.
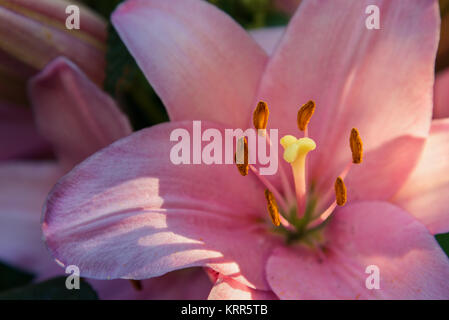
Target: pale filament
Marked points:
329	193
284	180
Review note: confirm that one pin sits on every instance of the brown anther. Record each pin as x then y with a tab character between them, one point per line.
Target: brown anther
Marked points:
242	160
137	284
260	116
272	208
340	192
356	146
305	113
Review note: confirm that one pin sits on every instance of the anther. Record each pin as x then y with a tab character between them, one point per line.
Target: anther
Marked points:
241	156
356	146
340	192
305	113
272	208
260	116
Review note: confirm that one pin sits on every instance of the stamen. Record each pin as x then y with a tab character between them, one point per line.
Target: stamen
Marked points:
272	208
260	116
269	186
340	192
356	146
137	284
241	156
305	113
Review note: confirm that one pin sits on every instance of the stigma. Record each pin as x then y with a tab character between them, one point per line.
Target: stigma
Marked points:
296	149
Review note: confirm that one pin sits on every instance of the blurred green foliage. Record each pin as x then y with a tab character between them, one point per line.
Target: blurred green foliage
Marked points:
11	277
444	7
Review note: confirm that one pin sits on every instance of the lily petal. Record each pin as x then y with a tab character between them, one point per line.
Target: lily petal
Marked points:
441	95
426	192
228	289
19	138
200	62
129	212
73	113
23	188
410	262
379	81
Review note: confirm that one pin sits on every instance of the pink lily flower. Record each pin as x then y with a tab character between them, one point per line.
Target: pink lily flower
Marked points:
128	212
77	119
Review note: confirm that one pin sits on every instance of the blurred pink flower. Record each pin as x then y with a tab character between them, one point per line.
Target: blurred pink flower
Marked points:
18	134
33	33
128	212
77	119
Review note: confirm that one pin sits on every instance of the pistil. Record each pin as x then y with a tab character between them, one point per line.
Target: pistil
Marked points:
295	153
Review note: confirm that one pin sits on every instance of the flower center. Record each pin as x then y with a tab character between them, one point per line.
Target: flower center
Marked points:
297	218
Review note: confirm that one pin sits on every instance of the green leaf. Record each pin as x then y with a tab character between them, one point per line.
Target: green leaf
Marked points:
443	240
11	277
53	289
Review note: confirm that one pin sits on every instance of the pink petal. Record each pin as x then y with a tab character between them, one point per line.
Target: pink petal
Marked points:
426	192
73	114
268	38
411	263
18	134
228	289
36	42
23	189
189	284
128	212
379	81
441	95
200	62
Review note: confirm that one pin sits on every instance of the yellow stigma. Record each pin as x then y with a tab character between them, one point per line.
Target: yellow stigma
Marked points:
241	156
272	208
305	113
260	116
295	149
356	146
340	192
